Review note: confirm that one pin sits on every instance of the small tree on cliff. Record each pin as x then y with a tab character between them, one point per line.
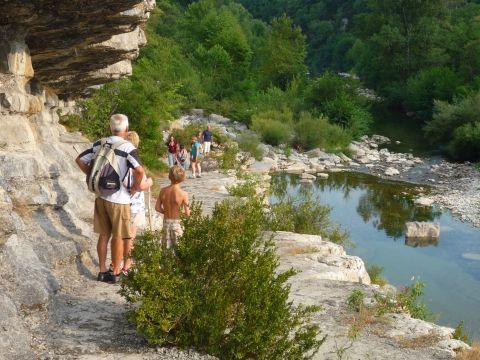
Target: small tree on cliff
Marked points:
219	290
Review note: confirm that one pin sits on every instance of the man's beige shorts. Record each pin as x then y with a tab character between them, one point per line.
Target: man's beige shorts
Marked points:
112	218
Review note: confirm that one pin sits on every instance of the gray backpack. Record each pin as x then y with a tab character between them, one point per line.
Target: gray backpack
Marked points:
104	177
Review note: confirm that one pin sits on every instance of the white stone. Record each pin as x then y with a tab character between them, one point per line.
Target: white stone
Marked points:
423	201
416	229
391	171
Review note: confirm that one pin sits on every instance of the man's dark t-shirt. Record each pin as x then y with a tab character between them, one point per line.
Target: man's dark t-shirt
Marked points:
207	136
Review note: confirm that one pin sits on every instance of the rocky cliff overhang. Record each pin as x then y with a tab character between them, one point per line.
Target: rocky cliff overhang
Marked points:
69	46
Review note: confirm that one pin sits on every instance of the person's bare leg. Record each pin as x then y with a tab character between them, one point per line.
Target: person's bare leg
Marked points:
127	249
194	164
199	169
102	247
117	255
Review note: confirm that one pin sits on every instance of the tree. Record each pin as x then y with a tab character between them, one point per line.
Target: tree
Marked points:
283	57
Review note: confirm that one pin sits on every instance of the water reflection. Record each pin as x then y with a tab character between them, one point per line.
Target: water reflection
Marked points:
386	205
421	242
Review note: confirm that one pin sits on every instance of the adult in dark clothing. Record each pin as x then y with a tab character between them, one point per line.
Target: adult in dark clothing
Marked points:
207	139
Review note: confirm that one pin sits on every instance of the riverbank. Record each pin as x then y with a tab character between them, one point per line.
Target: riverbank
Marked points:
453	186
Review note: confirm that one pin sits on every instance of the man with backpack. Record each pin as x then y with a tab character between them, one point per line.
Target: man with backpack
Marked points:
106	164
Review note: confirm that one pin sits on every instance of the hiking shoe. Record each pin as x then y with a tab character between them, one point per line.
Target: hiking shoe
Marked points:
199	176
113	279
103	276
192	176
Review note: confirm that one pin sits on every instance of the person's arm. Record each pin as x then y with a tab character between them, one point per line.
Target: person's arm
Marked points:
138	175
186	205
83	166
84	159
159	204
145	184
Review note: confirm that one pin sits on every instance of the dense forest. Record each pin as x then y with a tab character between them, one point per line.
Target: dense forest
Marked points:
274	65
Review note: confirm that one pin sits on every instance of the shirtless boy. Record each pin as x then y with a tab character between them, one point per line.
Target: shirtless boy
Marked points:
171	201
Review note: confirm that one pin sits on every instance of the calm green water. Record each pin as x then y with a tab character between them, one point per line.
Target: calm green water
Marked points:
399	127
374	212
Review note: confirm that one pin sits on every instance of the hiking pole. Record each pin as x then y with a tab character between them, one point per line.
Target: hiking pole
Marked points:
149	208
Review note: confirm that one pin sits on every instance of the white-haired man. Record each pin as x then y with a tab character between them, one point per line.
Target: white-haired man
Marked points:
112	213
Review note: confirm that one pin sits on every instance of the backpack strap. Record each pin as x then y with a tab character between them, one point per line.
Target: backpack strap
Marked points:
118	144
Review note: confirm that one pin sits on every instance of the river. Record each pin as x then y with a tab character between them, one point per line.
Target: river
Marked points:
374	212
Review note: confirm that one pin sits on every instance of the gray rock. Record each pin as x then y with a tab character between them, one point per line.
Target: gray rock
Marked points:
391	171
423	201
416	229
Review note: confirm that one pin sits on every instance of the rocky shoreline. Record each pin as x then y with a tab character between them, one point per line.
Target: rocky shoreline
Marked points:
452	186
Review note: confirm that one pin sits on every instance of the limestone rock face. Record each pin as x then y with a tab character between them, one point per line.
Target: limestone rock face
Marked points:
50	52
65	45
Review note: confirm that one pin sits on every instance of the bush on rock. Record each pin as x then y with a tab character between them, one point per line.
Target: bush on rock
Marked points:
219	291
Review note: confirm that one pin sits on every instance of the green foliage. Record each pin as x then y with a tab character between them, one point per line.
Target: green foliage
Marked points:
460	333
248	141
305	216
355	300
219	291
184	135
375	273
228	159
457	124
247	188
283	56
94	114
465	144
429	85
275	127
406	300
313	132
338	99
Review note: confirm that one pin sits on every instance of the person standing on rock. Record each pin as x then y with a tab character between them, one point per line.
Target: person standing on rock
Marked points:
207	139
172	151
137	207
171	202
183	157
112	212
195	158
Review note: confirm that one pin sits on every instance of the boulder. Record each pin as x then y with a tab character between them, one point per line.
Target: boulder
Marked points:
314	153
417	229
322	176
264	166
391	171
308	176
423	201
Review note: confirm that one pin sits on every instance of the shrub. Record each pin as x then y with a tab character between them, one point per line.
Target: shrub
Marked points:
406	300
437	83
248	141
275	127
218	291
343	111
375	273
448	117
304	216
465	144
313	132
355	300
460	333
246	188
228	158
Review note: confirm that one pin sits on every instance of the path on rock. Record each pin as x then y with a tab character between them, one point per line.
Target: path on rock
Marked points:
87	319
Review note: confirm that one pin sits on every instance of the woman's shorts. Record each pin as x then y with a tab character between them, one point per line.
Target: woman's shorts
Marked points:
139	220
